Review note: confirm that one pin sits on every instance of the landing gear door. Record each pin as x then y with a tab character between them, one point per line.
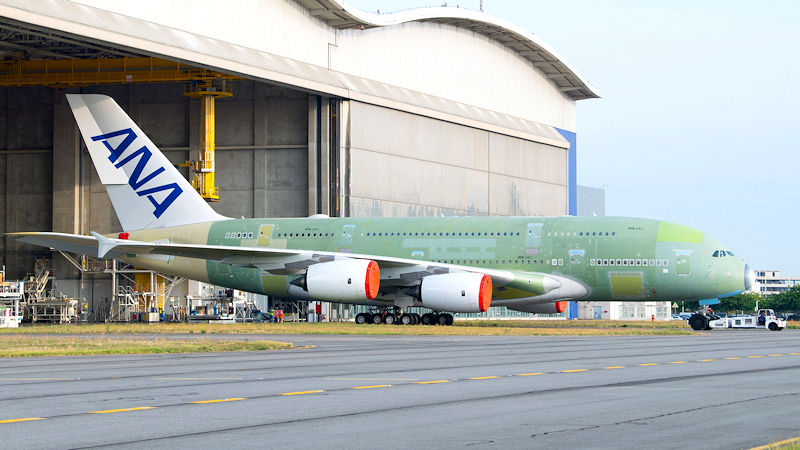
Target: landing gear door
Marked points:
576	261
533	238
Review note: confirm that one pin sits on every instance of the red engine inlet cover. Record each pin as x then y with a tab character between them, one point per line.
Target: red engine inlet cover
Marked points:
373	280
485	295
561	307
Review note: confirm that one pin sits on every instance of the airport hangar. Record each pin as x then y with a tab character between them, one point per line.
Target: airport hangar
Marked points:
424	112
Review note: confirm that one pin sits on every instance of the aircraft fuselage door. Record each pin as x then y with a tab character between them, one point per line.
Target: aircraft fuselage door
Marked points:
533	238
264	235
347	235
683	262
576	261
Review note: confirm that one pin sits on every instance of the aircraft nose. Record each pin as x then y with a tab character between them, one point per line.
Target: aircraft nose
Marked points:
749	277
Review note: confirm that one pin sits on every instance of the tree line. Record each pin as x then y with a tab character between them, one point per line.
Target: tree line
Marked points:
785	302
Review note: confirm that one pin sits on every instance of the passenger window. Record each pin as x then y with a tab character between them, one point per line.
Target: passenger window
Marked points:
652	262
619	263
644	262
624	262
638	262
605	262
591	262
611	262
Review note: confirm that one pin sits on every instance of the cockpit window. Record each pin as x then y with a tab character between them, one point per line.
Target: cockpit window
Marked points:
730	253
716	254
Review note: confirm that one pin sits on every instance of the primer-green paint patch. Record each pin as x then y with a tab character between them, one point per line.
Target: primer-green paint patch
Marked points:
626	285
274	283
672	232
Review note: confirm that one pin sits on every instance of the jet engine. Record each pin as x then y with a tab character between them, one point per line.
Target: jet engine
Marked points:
456	292
543	308
341	280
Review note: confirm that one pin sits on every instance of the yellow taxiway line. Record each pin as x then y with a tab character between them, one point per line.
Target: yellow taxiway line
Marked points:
21	420
220	400
109	411
302	392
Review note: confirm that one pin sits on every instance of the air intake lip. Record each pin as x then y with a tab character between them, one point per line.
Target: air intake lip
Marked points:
749	277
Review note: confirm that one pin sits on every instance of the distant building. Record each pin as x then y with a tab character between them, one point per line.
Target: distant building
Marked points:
769	282
591	201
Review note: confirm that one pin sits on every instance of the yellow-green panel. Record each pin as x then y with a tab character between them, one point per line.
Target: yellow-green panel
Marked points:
626	284
672	232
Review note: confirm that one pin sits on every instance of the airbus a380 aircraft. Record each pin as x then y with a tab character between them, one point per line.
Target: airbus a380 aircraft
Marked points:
457	264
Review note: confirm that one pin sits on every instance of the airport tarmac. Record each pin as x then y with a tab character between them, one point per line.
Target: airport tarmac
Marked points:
723	389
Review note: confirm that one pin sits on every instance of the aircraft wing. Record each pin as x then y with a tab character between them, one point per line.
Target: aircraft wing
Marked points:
398	271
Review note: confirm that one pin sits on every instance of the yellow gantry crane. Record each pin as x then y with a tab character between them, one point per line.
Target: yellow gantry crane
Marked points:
203	168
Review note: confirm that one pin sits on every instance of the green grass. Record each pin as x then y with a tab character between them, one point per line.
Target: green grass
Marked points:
28	345
460	328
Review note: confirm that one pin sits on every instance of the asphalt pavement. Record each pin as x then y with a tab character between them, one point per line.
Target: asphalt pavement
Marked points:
723	389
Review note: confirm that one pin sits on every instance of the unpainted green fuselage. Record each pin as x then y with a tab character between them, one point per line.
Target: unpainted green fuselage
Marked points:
614	258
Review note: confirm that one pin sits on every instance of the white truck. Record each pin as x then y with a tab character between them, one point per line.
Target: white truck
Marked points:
765	318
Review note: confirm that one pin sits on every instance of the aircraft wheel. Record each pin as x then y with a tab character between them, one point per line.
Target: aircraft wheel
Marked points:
773	326
442	319
406	319
376	319
390	319
698	322
449	319
427	319
416	318
361	318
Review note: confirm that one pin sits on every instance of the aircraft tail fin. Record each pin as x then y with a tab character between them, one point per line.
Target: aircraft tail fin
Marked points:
147	191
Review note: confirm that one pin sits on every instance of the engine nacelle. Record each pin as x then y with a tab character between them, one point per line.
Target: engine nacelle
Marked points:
543	308
456	292
342	280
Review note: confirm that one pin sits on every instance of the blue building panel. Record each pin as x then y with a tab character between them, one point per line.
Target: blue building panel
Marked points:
572	311
572	173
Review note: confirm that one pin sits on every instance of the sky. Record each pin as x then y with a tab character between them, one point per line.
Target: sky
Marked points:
698	120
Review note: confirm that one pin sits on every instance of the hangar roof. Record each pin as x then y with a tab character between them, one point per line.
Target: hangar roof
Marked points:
339	14
58	29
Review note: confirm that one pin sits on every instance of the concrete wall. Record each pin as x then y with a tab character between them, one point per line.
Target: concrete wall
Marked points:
402	164
26	140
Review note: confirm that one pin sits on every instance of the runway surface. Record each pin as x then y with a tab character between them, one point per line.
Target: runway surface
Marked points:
725	389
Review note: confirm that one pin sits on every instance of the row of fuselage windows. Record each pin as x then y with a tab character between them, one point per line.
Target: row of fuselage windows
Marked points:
722	253
444	234
249	235
629	262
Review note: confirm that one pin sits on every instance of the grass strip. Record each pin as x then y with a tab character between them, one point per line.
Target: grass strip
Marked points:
460	328
30	345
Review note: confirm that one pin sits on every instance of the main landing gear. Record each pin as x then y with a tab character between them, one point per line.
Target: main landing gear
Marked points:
396	316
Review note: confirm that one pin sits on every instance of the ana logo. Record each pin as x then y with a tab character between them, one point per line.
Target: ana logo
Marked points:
137	178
